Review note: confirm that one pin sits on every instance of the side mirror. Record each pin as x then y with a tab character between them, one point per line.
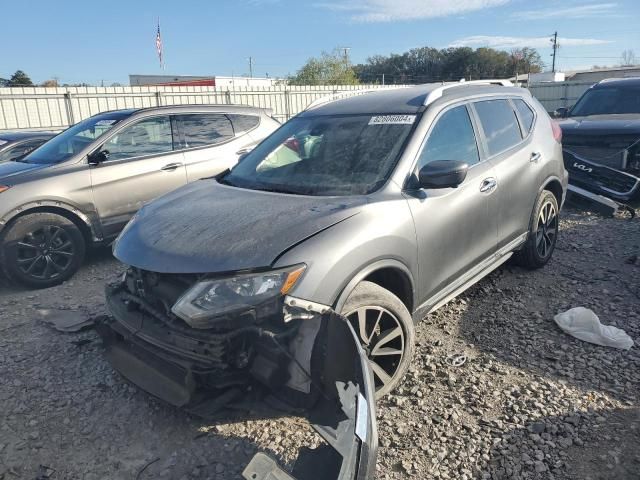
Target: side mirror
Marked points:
561	112
243	153
98	157
442	174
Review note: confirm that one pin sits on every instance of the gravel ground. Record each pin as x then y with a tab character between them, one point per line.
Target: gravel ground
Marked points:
530	401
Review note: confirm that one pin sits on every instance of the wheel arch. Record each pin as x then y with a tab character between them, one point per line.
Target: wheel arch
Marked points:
81	220
389	274
554	185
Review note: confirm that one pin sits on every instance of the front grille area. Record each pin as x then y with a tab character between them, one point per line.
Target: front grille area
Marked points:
608	150
601	179
223	355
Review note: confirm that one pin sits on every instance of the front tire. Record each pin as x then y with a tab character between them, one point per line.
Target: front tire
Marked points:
385	329
543	233
41	250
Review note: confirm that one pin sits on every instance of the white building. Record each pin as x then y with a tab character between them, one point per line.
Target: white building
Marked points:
204	81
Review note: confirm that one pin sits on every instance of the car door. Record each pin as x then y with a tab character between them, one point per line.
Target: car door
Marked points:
141	166
210	144
517	163
456	228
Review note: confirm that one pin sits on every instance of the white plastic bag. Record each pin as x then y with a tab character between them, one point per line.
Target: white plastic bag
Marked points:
582	323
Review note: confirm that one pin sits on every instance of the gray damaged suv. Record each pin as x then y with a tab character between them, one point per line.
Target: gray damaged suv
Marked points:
381	207
81	187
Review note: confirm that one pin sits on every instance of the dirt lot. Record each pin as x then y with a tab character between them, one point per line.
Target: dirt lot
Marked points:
530	402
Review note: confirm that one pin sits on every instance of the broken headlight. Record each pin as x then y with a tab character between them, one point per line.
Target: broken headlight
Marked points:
212	298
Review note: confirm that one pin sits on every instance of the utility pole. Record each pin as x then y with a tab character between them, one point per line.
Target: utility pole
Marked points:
555	47
345	53
250	67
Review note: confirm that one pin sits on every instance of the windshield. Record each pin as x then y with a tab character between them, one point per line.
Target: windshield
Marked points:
325	155
608	101
74	139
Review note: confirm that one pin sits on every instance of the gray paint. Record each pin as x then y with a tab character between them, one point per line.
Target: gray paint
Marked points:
106	196
434	236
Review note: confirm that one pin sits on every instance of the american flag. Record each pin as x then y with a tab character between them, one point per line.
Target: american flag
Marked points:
159	45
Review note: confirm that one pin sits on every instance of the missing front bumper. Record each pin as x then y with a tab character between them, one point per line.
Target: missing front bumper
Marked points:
339	403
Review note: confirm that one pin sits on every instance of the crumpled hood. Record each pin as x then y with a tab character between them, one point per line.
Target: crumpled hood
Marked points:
208	227
10	169
628	124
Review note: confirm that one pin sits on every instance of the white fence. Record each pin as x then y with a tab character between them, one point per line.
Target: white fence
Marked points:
57	108
558	94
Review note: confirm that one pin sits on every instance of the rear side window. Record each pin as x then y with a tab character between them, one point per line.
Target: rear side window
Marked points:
452	138
206	129
525	113
500	125
244	123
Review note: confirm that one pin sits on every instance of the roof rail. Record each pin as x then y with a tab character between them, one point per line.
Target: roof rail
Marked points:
345	94
437	93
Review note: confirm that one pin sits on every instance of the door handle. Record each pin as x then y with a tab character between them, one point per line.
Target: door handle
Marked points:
535	156
170	167
488	184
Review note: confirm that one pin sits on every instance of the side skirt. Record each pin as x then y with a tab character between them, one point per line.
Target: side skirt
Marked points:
470	278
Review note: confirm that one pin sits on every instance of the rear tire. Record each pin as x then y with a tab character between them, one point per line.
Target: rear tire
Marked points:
41	250
543	233
385	329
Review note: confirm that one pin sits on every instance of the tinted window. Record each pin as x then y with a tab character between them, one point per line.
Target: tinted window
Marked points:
325	155
203	130
244	123
526	114
452	138
75	138
500	125
151	136
20	150
608	100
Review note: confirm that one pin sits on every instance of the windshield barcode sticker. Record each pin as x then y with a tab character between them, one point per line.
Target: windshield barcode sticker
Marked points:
392	120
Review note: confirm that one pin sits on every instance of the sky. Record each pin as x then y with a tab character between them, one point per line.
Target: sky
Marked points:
77	41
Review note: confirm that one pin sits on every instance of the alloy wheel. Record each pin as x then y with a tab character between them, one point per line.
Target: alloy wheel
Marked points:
546	230
382	337
45	253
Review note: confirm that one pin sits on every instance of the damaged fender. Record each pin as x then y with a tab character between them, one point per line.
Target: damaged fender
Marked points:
312	362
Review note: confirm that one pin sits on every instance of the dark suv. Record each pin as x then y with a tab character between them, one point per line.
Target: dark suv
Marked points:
82	186
601	139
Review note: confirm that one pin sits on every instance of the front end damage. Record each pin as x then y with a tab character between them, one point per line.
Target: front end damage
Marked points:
277	356
605	165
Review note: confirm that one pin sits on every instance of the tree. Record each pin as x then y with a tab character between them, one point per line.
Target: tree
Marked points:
426	64
4	82
50	83
628	58
20	79
328	69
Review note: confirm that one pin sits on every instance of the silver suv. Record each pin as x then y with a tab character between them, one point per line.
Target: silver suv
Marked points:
83	186
381	207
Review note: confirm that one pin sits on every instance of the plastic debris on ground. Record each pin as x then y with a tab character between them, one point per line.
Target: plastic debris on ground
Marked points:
584	324
67	321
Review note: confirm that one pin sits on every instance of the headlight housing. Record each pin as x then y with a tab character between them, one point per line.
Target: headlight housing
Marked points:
222	296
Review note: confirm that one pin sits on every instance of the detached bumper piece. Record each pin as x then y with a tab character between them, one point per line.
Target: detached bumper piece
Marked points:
208	371
616	184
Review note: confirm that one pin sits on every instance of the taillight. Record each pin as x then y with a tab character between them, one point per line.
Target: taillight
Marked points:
557	131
